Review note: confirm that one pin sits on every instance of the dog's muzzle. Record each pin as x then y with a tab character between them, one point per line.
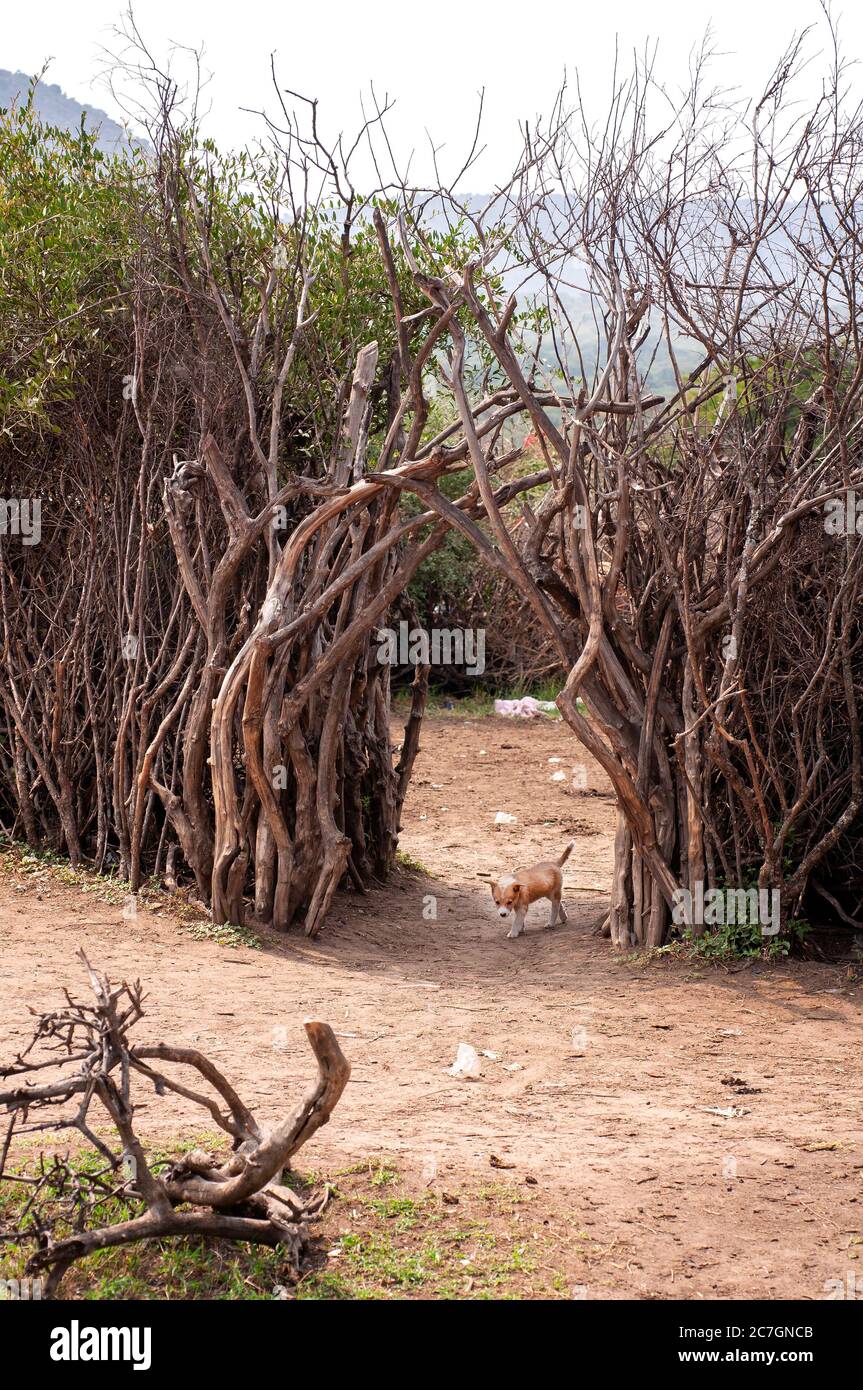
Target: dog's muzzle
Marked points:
503	912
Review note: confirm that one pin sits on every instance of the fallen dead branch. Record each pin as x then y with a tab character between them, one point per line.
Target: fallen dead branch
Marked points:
81	1055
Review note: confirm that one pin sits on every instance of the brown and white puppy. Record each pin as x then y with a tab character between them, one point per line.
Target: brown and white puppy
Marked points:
514	893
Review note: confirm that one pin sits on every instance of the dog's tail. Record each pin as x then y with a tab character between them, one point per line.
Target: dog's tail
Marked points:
566	853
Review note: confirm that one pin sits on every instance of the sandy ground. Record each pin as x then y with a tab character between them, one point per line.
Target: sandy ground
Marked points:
607	1073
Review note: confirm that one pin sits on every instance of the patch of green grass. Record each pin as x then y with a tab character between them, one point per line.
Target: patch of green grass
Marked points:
645	955
326	1286
377	1239
226	934
394	1206
502	1194
731	941
382	1175
377	1258
179	1269
379	1172
745	940
403	1212
188	1269
43	867
434	1247
416	866
41	864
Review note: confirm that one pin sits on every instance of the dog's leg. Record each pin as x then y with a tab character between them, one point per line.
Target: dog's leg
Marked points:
555	908
518	925
562	911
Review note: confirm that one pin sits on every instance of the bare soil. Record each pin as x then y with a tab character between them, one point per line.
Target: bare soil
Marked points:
600	1101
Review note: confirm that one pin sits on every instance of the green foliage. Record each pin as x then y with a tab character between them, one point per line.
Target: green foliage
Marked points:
447	580
744	940
226	934
408	861
79	230
68	233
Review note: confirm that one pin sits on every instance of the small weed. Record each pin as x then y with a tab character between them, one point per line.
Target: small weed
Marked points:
44	867
392	1207
744	940
226	934
407	861
383	1175
379	1173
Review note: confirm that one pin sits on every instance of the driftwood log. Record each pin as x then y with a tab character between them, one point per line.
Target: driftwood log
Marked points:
85	1050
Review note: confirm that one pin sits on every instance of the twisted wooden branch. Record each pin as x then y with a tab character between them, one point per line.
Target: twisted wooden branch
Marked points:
241	1198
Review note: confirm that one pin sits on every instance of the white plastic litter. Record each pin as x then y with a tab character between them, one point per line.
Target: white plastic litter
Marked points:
558	777
504	818
555	760
526	708
466	1062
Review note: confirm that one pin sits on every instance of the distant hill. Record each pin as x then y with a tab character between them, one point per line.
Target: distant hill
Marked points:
56	109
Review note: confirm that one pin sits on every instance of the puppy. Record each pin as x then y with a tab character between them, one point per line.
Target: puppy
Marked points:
514	893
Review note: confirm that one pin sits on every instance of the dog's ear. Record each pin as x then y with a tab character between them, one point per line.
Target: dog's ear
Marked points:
516	884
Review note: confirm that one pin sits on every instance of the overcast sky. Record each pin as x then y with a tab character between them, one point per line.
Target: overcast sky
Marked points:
432	58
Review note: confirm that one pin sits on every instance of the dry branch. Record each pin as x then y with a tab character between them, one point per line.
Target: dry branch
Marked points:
238	1198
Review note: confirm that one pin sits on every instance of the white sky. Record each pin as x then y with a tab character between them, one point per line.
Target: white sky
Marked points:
433	57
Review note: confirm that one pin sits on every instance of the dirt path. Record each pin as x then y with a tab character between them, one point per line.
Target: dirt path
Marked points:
606	1072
